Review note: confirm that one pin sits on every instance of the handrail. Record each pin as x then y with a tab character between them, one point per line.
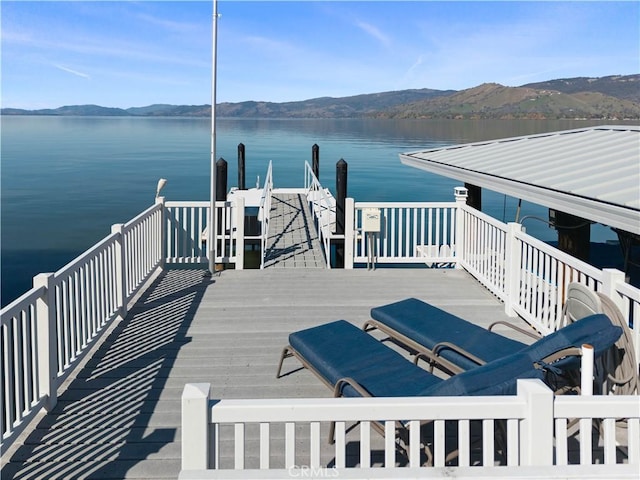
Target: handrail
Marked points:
264	212
323	209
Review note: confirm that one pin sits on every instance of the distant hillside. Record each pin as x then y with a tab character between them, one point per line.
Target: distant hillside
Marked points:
328	107
496	101
75	110
625	87
612	97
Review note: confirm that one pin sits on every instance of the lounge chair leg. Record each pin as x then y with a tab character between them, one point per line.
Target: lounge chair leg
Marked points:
286	353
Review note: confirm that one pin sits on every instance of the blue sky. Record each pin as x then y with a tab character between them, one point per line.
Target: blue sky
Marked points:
124	54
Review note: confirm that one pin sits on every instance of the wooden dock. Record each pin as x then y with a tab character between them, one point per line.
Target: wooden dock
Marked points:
119	416
293	241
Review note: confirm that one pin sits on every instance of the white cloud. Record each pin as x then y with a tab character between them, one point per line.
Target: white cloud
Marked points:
73	72
374	32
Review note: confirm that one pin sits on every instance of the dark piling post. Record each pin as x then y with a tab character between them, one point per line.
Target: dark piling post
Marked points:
241	159
221	179
474	196
315	160
341	196
221	187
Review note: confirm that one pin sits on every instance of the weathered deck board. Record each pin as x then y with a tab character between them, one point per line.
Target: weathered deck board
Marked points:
120	416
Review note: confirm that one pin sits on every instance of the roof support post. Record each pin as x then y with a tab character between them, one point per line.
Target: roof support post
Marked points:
574	235
474	196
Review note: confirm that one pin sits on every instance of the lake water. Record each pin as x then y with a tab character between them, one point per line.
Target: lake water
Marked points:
66	180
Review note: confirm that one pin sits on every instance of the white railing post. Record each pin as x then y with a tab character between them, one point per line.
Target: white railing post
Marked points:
47	354
461	194
163	231
195	426
239	221
120	273
586	370
536	428
512	268
610	278
349	234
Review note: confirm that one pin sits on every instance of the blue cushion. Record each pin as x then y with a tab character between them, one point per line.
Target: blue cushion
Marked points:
340	349
428	325
596	330
499	377
495	378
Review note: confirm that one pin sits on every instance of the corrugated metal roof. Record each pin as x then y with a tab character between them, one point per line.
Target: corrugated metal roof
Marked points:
592	172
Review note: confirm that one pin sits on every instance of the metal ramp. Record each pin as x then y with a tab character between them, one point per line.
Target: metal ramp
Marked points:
293	240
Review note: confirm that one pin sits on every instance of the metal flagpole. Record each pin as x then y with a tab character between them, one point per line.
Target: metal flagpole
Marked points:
211	240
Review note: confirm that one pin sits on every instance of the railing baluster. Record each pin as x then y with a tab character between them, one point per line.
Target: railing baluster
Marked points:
488	442
586	425
27	343
290	445
389	444
9	386
609	438
18	367
439	444
238	453
414	443
264	446
513	433
340	441
314	453
365	444
633	440
464	442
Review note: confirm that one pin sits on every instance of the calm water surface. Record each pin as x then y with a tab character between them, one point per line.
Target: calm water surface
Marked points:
66	180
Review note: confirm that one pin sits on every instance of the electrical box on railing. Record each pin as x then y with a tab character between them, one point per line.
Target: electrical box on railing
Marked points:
371	220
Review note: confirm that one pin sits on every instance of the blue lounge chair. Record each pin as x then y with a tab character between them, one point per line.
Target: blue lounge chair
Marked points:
445	340
353	363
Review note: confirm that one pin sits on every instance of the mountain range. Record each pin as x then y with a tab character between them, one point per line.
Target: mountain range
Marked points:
615	97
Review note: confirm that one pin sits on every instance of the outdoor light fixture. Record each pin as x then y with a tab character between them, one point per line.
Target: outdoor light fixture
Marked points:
161	183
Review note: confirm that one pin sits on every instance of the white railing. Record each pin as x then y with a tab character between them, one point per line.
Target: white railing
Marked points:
285	436
409	233
186	235
482	250
542	275
264	212
47	331
323	209
627	298
531	277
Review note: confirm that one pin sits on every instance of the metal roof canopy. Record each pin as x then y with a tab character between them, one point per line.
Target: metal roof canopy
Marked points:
591	172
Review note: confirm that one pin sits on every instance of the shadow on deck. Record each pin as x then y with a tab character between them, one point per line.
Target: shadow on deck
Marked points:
293	241
107	419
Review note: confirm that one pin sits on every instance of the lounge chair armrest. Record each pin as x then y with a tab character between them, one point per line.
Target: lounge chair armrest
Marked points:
337	390
565	352
451	346
514	327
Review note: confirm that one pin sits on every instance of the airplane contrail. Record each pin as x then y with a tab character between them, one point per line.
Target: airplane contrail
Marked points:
73	72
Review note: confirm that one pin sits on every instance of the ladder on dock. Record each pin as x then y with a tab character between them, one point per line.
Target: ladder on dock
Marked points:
293	240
